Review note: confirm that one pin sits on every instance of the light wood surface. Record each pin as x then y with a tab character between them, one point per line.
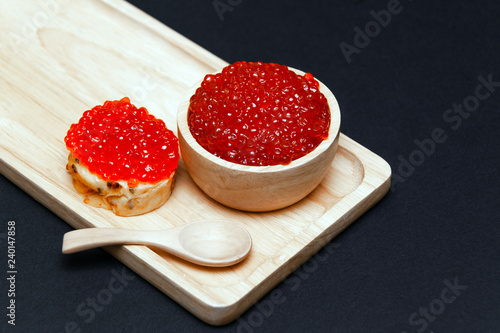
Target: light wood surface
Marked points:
212	243
87	51
257	188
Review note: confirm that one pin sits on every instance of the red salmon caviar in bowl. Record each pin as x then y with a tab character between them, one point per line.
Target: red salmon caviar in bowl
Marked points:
257	136
122	158
259	114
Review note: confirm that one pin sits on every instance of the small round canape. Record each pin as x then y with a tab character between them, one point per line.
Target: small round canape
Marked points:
122	158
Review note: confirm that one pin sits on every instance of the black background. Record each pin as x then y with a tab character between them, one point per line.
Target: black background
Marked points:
440	221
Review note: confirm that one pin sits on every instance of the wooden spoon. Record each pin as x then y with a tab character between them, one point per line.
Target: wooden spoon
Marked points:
213	243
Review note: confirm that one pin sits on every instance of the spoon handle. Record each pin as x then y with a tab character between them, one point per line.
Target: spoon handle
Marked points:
86	239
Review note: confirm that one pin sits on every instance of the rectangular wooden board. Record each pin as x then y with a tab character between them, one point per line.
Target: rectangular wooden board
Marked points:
57	62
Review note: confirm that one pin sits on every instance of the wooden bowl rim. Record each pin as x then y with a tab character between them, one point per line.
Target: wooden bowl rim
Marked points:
333	133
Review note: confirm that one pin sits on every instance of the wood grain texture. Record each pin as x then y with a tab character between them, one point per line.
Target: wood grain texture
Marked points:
89	51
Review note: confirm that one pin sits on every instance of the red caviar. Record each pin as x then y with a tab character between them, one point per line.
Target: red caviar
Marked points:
118	141
256	113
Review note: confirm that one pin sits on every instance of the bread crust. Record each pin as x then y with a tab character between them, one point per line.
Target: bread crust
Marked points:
117	195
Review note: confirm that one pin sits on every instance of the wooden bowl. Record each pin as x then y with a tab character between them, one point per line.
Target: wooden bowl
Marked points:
257	188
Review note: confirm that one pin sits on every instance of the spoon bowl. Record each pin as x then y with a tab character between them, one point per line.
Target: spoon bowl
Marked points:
215	240
213	243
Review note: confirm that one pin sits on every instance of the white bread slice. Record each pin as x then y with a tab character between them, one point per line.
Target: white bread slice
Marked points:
117	195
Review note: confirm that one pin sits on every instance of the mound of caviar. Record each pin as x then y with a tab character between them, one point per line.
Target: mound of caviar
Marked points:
256	113
118	141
